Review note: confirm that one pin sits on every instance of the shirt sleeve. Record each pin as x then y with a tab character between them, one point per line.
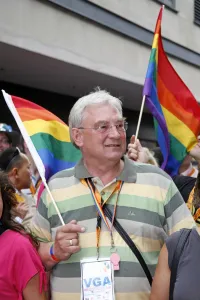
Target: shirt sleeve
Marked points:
40	224
177	214
26	264
30	200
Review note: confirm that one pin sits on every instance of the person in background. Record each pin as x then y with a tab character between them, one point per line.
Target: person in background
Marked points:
139	153
17	166
8	137
22	274
188	186
186	280
184	183
193	202
187	168
35	176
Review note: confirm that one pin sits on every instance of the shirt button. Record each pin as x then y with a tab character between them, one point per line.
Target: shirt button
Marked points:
102	193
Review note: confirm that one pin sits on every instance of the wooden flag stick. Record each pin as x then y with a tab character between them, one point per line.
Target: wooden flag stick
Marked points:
53	201
140	118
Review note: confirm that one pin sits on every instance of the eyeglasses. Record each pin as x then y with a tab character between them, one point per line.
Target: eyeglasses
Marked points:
105	128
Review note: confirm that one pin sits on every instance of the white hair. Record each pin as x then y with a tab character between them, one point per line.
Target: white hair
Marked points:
97	97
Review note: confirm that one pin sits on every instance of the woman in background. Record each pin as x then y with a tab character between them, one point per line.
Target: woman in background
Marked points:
17	167
22	275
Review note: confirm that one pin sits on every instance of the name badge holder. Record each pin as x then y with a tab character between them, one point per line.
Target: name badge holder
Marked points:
97	279
97	274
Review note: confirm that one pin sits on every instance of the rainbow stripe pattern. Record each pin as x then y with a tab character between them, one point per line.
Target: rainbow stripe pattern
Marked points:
50	136
176	112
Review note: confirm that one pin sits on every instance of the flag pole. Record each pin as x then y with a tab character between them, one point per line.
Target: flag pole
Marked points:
53	201
37	160
141	109
140	118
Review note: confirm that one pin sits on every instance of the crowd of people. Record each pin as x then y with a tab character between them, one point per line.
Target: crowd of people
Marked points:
114	200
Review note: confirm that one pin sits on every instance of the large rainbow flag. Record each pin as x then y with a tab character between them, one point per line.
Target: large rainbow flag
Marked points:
176	112
49	135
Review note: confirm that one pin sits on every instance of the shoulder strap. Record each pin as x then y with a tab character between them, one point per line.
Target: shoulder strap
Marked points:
129	242
176	257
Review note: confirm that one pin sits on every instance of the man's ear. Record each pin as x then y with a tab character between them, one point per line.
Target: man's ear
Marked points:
77	137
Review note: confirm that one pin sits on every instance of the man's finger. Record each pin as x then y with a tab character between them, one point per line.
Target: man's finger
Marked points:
132	156
132	139
72	228
139	145
73	222
75	242
132	146
68	236
72	250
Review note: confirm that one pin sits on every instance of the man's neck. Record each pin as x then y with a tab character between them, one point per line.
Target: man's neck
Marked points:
106	172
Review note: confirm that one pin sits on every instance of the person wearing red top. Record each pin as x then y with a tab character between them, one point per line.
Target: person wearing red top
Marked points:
22	275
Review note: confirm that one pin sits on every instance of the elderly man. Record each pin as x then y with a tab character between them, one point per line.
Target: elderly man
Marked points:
142	197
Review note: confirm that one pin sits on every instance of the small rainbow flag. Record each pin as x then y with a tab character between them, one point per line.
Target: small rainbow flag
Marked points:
47	133
176	112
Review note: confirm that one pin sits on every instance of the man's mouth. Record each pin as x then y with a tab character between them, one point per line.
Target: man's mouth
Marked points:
113	145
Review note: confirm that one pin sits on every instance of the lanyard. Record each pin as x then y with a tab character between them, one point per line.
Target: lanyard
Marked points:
100	214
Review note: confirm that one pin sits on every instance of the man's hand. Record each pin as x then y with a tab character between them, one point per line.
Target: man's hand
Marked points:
136	151
66	240
21	210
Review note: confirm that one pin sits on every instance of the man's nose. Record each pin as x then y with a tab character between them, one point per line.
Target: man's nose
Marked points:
113	132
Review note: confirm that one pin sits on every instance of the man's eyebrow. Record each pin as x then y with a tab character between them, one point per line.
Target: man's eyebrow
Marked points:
101	122
104	121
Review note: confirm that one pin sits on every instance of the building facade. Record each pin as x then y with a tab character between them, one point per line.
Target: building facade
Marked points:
54	51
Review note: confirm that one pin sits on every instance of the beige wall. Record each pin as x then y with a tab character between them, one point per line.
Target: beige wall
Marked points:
41	28
177	27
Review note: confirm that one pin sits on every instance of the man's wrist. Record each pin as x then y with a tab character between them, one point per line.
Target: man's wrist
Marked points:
51	252
44	252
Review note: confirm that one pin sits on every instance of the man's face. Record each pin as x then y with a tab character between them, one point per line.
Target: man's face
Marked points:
4	142
101	144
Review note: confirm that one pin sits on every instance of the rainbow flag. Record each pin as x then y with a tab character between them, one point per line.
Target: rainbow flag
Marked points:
176	112
48	134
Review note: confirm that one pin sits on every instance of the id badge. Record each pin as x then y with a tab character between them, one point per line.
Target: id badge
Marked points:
97	279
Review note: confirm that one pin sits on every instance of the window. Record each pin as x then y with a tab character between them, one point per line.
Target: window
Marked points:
169	3
197	12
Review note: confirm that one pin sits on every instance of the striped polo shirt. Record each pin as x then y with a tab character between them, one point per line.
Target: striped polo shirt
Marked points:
149	209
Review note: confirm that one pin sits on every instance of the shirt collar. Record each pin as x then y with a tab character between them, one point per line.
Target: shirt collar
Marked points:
128	173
